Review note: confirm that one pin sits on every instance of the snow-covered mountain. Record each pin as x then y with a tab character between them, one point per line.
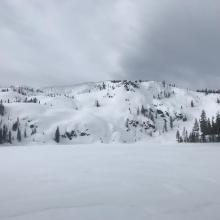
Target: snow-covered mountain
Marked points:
110	111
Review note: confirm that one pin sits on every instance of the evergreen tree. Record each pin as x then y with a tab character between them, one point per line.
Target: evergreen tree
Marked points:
97	103
127	123
213	130
217	123
193	137
184	118
15	125
186	137
5	133
19	135
25	133
195	131
209	127
151	116
203	125
9	137
158	96
178	136
2	109
165	125
1	136
138	111
142	110
171	122
57	135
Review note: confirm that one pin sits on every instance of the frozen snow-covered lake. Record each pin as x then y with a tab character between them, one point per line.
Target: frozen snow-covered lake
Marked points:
110	182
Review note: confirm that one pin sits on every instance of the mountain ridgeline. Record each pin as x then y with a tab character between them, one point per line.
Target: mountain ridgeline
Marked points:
106	112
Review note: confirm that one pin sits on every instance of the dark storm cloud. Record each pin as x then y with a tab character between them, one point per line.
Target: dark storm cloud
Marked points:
70	41
182	44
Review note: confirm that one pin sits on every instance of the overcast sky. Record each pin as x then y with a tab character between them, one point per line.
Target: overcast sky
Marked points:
62	42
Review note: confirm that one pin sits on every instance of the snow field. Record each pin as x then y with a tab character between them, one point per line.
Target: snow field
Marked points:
115	181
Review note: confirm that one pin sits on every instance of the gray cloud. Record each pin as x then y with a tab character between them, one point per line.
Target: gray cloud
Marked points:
66	42
60	42
181	44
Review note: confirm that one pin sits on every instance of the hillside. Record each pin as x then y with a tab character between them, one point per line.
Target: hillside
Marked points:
110	111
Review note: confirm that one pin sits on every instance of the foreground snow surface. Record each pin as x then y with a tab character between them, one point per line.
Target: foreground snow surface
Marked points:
106	182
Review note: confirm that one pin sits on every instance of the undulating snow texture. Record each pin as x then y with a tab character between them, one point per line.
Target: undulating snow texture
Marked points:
107	112
120	182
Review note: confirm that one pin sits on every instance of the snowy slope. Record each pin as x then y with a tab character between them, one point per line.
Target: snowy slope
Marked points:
106	182
117	119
